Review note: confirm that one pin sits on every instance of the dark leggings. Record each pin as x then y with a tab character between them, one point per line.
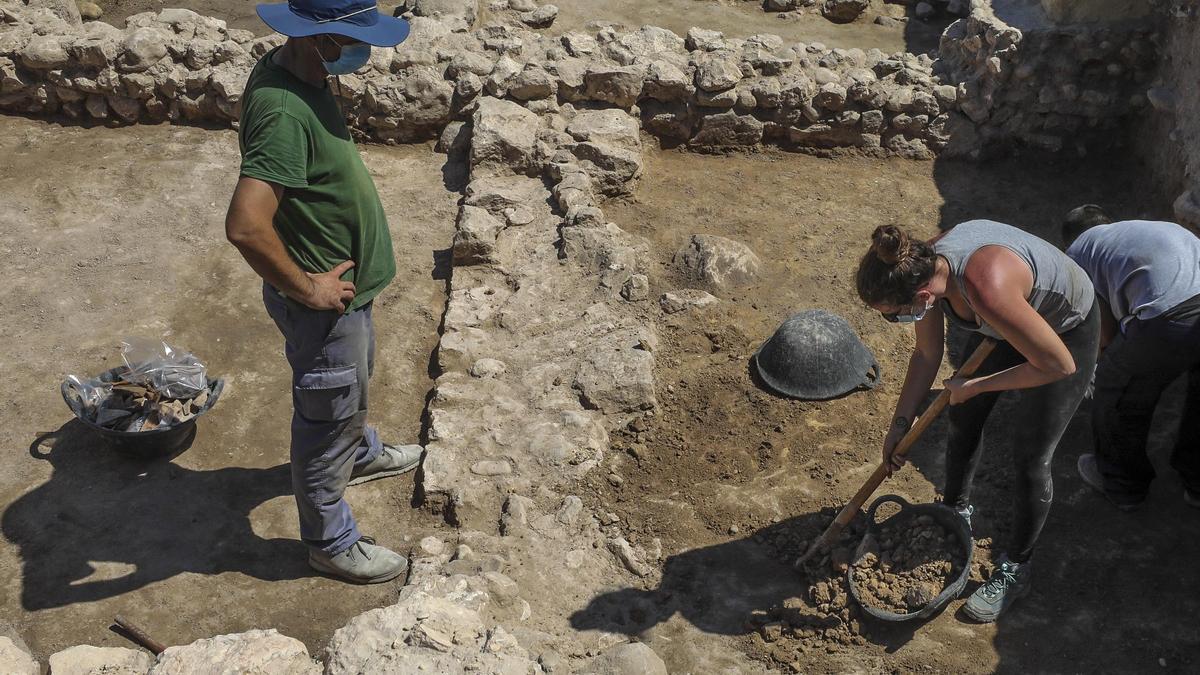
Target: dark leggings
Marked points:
1130	379
1038	420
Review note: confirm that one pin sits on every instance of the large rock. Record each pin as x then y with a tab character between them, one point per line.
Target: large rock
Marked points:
459	15
542	17
44	52
143	48
262	652
844	11
531	84
610	167
728	129
718	261
702	39
674	302
667	82
504	139
15	659
618	85
89	660
617	381
475	236
415	105
610	126
90	11
66	10
718	71
609	142
94	51
626	659
422	634
229	81
648	41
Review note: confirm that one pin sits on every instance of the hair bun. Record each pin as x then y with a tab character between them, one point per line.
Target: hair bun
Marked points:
890	244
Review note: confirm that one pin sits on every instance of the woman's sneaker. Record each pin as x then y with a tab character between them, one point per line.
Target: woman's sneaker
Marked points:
1009	581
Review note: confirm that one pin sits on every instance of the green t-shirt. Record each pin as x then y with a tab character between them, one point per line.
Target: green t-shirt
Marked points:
293	134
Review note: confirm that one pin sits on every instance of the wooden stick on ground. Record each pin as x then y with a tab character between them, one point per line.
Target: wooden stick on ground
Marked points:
872	483
139	636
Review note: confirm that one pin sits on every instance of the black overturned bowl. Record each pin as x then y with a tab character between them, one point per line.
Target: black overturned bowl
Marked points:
816	356
944	516
142	444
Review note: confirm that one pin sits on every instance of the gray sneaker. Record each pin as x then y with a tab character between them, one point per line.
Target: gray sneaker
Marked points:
1009	581
362	563
1089	471
392	461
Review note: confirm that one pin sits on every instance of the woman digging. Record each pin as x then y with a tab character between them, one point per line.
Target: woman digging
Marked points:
995	281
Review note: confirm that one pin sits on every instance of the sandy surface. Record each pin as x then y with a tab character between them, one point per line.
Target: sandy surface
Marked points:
115	232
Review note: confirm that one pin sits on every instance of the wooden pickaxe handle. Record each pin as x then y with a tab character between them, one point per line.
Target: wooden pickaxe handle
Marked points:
914	433
139	635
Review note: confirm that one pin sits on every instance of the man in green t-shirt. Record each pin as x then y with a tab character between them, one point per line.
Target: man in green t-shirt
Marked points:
305	215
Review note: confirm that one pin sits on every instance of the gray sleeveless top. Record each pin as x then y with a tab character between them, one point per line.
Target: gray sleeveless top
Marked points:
1062	293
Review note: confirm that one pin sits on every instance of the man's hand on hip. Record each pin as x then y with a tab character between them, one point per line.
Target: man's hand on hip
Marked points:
328	291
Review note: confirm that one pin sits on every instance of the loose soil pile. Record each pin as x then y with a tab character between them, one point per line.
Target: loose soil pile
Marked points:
906	565
825	611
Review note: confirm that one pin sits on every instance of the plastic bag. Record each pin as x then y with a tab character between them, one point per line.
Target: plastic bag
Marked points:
92	393
171	373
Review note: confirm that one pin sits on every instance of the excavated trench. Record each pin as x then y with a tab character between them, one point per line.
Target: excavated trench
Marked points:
583	436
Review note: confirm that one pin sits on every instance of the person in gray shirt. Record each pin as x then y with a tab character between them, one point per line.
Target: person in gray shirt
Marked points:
1147	279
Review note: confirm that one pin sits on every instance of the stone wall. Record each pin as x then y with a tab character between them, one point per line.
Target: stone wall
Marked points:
1045	85
1169	135
703	90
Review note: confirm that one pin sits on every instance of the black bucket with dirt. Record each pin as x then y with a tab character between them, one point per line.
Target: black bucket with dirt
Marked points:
913	563
146	443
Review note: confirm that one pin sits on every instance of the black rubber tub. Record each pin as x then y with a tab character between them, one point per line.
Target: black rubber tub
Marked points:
947	518
143	444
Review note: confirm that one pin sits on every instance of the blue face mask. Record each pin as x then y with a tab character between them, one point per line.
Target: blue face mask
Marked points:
354	56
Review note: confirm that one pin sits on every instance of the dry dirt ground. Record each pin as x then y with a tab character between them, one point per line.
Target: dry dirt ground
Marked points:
726	466
115	232
737	18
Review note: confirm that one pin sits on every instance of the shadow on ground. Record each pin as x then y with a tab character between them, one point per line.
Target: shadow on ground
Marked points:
717	588
105	524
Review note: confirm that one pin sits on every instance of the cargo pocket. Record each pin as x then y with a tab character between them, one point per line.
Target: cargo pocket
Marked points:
328	394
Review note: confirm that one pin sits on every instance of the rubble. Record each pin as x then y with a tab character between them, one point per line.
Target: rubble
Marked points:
258	651
674	302
88	660
722	263
906	565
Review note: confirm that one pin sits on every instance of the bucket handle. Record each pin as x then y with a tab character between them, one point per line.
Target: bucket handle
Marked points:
872	377
885	499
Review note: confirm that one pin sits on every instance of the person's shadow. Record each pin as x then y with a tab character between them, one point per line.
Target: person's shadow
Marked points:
105	524
718	589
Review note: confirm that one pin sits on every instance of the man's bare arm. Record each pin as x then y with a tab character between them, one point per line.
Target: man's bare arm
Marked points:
249	227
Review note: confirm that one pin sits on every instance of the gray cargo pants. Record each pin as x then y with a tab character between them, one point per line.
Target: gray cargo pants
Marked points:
332	357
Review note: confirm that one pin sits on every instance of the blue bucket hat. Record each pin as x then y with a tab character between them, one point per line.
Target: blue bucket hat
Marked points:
357	19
